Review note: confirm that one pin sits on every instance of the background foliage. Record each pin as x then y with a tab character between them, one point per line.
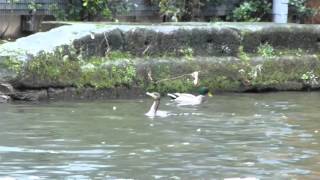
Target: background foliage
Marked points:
91	10
252	10
179	10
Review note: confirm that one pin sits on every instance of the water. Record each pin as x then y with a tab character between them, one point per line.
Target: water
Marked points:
262	136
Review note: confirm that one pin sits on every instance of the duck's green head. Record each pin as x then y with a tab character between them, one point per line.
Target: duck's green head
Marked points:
204	91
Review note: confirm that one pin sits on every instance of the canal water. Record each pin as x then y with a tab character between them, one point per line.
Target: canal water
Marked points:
257	136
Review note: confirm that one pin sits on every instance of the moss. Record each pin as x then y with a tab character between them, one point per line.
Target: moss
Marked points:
266	50
288	70
187	52
243	55
51	68
102	75
56	69
221	83
11	64
116	55
121	69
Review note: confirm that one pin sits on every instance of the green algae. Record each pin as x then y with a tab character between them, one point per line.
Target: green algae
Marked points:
122	69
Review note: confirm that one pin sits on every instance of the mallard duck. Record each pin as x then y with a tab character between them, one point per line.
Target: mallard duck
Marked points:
190	99
154	107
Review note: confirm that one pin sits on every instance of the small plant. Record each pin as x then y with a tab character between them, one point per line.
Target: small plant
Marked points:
298	10
252	10
299	52
34	6
187	53
255	71
243	56
216	19
309	78
266	50
225	49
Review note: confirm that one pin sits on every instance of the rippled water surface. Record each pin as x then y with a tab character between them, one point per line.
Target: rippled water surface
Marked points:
262	136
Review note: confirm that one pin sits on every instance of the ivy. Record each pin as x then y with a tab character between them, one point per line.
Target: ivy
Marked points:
298	10
171	10
90	9
259	10
181	10
252	10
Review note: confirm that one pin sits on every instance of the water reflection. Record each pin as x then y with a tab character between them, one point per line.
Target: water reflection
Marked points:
257	136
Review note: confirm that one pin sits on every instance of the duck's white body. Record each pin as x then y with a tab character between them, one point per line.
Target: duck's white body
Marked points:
187	99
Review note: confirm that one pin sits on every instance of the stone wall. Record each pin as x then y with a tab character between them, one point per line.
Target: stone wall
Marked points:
10	26
287	73
115	60
209	40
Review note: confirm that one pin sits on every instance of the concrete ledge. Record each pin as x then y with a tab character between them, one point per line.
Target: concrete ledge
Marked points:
205	39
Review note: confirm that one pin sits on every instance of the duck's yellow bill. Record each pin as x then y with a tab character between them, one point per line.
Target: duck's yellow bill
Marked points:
210	94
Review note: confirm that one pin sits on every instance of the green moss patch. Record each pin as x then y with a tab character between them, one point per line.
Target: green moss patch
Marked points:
166	74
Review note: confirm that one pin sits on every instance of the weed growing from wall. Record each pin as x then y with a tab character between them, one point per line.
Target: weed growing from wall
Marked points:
266	50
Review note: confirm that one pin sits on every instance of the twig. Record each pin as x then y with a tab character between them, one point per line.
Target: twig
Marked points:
194	75
144	52
150	75
108	45
167	79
